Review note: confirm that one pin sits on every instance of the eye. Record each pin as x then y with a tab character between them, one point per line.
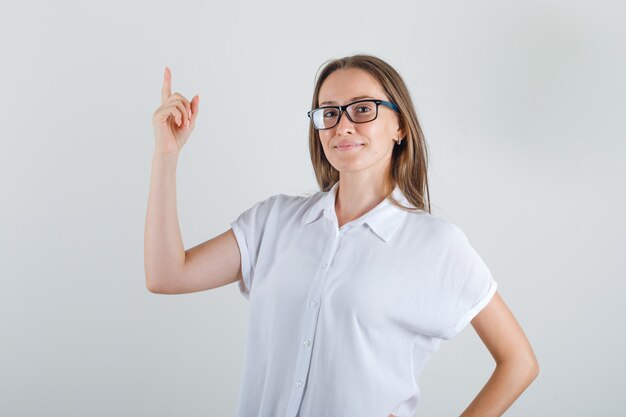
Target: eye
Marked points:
363	109
330	113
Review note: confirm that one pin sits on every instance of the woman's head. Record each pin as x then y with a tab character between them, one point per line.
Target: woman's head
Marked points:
392	145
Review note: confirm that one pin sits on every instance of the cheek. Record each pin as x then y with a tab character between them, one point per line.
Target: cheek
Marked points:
325	138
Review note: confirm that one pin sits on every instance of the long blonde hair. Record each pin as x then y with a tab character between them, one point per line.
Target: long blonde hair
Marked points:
409	160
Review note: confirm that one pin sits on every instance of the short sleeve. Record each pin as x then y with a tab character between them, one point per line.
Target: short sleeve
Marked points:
249	229
465	283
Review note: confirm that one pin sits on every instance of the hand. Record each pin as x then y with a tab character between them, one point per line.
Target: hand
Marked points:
174	120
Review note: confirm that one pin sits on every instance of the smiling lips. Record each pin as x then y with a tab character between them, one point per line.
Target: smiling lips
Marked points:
347	146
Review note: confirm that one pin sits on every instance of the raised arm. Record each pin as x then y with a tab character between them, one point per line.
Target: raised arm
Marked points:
168	267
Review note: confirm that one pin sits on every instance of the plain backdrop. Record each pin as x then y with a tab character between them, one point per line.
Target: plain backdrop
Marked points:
523	107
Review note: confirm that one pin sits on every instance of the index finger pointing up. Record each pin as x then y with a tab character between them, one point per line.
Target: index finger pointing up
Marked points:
167	85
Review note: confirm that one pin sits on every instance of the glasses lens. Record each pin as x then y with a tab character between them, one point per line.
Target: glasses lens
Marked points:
324	118
364	111
361	112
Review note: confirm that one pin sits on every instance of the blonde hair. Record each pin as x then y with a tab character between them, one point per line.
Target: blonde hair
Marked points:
409	160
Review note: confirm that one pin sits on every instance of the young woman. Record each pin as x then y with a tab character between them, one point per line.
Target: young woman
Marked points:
353	288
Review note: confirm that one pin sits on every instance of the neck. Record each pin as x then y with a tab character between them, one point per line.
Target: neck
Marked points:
357	195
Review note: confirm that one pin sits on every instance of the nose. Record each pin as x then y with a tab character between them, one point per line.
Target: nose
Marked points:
345	125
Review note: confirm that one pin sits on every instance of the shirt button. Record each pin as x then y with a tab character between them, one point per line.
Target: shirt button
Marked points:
324	265
313	303
307	343
298	383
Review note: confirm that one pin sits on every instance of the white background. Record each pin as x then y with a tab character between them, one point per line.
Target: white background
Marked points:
523	107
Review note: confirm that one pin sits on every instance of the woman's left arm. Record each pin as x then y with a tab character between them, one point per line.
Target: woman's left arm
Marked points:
516	364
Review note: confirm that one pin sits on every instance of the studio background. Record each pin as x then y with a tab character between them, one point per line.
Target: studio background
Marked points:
522	104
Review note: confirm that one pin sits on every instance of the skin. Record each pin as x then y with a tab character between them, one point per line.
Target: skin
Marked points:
361	189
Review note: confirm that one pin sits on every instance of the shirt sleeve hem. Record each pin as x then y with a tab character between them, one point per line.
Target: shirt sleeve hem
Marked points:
244	284
473	312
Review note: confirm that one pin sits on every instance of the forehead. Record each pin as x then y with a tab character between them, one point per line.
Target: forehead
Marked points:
344	85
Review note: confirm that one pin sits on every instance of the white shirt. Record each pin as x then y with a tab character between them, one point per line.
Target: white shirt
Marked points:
343	320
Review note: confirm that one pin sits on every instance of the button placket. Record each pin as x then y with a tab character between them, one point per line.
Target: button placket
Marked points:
305	354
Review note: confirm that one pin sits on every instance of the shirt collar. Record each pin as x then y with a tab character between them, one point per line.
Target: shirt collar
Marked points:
383	220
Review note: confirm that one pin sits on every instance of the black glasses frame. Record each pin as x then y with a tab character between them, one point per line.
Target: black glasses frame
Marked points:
344	108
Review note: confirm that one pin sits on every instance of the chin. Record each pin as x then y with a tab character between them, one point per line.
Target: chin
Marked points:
348	167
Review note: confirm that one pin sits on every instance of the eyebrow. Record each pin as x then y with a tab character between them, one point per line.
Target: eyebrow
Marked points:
352	99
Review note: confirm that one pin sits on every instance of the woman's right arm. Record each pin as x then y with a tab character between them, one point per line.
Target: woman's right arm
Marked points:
168	267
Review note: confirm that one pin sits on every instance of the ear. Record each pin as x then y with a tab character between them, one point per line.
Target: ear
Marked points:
401	130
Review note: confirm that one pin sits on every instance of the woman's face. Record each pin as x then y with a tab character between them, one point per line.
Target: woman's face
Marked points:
377	137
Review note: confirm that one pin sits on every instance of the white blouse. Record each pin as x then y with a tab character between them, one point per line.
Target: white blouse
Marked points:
343	320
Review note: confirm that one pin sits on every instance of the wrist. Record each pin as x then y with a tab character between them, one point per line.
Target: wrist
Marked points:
167	157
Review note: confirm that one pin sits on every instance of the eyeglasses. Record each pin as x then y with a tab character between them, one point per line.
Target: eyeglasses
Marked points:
361	111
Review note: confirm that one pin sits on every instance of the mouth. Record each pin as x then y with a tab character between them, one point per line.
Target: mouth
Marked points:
349	146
